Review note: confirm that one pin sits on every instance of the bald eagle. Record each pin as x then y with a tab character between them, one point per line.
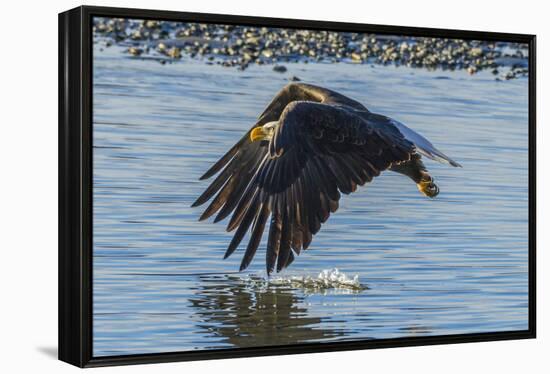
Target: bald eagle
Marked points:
309	146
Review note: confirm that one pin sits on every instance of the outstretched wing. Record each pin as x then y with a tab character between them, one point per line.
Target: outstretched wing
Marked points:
317	152
244	157
306	92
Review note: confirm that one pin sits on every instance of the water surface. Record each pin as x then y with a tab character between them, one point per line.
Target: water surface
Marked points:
456	264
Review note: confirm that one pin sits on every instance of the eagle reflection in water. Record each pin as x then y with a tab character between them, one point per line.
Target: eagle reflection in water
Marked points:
243	315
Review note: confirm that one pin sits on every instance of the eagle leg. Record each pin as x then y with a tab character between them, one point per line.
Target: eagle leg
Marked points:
415	169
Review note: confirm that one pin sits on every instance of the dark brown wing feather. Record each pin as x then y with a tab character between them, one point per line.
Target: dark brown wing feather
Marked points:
305	92
323	145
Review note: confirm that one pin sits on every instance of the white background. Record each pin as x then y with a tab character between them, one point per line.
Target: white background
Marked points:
28	150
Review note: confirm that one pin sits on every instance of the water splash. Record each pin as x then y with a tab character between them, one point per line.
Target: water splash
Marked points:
331	279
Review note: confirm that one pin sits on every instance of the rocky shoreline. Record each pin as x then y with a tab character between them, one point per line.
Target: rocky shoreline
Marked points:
241	46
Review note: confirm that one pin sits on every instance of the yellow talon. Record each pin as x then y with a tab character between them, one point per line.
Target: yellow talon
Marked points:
428	188
257	133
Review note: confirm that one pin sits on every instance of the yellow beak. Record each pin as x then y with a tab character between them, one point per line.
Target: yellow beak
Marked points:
257	133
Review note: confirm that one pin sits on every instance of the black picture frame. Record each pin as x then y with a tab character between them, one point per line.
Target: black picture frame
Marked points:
75	187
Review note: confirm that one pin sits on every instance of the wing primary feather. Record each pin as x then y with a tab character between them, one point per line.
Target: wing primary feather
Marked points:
214	187
242	181
344	184
329	187
327	179
274	238
225	158
243	227
306	234
242	205
355	167
290	259
296	241
231	202
348	172
220	198
285	245
312	202
318	195
257	231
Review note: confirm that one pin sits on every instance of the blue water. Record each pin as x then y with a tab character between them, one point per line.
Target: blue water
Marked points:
455	264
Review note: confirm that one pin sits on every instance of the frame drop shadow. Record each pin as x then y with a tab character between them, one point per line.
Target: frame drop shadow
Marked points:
50	351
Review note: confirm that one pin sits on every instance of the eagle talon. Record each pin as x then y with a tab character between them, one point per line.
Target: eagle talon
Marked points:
428	188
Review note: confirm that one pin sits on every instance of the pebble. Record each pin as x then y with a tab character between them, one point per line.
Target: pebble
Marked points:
161	47
279	68
239	46
135	51
174	52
